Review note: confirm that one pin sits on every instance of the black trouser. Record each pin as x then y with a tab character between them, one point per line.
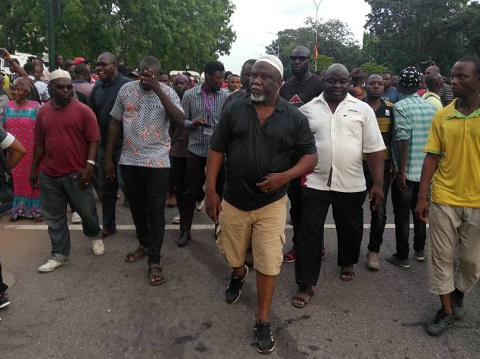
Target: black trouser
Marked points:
403	204
348	217
295	196
179	167
146	193
3	286
194	180
379	216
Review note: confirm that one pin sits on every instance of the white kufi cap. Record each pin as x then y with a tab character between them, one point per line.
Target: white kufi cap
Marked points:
274	61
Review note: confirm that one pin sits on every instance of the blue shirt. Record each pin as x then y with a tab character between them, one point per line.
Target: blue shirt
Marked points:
392	95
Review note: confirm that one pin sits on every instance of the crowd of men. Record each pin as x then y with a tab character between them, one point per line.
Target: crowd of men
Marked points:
322	140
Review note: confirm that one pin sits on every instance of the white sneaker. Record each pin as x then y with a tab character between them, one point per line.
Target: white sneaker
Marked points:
51	265
98	247
373	260
199	204
176	219
76	219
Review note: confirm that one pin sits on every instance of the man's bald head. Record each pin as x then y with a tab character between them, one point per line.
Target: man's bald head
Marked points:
336	83
434	82
108	56
432	70
301	51
300	63
337	68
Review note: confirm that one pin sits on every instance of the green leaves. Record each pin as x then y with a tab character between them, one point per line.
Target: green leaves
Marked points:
178	32
411	32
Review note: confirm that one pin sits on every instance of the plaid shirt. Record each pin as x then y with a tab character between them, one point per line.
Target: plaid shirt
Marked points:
197	105
413	116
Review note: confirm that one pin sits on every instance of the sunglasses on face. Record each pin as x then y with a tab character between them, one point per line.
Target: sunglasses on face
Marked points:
63	87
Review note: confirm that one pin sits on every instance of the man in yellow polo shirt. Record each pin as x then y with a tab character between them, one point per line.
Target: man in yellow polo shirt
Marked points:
453	161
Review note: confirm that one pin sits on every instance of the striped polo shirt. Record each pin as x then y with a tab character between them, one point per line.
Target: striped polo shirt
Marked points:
413	116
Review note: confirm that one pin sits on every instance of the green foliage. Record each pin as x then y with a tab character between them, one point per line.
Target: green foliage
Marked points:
323	62
373	68
335	44
412	32
178	32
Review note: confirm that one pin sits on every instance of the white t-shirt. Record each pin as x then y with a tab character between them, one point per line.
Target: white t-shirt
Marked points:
341	139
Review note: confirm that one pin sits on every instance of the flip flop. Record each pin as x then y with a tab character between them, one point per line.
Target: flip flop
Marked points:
155	275
301	302
136	255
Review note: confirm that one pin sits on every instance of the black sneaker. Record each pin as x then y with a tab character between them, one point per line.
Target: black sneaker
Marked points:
457	304
264	338
420	256
4	300
404	263
234	288
441	323
184	238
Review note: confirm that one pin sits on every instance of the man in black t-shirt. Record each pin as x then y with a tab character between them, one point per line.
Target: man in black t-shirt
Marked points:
299	90
255	135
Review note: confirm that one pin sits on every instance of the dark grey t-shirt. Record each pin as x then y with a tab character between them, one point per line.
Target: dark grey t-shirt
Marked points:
253	150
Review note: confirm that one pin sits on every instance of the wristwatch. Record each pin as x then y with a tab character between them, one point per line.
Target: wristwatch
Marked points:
91	162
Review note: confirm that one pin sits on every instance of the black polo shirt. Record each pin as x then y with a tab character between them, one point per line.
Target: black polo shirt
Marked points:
253	150
102	99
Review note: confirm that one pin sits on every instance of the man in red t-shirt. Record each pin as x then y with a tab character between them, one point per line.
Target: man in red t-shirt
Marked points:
65	148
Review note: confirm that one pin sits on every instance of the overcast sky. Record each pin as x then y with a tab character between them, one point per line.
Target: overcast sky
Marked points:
256	23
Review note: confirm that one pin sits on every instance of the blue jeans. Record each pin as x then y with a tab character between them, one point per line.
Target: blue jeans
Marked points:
55	193
146	190
108	190
403	204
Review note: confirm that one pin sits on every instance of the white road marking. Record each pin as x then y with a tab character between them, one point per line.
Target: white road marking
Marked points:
195	227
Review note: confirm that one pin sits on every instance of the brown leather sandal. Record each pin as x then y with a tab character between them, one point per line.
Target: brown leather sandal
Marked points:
155	275
136	255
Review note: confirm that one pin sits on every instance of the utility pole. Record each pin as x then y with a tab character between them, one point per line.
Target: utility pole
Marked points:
50	34
317	5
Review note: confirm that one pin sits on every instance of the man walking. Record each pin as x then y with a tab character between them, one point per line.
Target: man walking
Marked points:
15	152
102	99
384	114
202	105
65	149
256	135
453	161
344	129
413	116
144	110
300	89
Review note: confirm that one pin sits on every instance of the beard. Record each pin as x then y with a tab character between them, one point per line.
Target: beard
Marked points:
257	98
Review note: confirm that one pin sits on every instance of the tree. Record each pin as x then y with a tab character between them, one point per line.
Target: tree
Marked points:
178	32
373	68
412	32
335	44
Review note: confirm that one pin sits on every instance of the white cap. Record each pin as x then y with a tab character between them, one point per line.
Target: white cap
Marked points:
59	74
274	61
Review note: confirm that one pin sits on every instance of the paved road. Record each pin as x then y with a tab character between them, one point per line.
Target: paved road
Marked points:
102	307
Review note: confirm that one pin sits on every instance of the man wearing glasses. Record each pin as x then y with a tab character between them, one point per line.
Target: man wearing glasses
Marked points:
300	89
102	99
65	148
